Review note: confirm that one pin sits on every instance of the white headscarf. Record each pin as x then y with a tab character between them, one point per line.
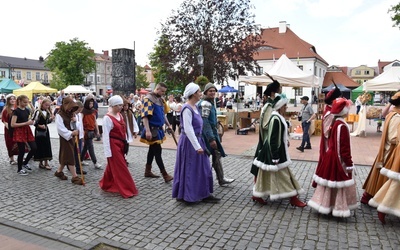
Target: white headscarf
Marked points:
190	89
115	100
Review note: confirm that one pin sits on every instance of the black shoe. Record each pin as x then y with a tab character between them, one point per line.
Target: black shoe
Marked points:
300	149
211	199
79	171
307	147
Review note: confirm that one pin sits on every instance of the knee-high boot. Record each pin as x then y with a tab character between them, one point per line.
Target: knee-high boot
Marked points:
217	165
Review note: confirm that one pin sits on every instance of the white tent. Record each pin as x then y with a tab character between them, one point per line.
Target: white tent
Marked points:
286	73
76	89
387	81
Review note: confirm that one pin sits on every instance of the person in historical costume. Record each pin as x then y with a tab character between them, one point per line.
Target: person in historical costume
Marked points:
206	107
22	133
385	184
389	141
153	117
193	180
116	178
327	120
42	117
91	130
12	148
274	178
67	130
269	95
132	128
336	189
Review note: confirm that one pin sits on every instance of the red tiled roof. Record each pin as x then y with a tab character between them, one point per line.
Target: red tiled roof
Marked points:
339	77
285	43
381	65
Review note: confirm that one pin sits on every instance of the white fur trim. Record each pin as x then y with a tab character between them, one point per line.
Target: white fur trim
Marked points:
341	213
277	196
388	210
332	184
390	174
273	168
373	203
344	111
319	207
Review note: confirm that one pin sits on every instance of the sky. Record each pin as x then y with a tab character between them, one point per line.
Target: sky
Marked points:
344	32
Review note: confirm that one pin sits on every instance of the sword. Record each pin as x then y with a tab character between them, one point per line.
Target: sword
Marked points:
171	132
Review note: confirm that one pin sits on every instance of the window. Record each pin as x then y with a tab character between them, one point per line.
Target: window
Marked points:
320	72
19	75
98	79
91	78
366	72
38	76
28	76
358	72
259	71
46	77
3	74
315	70
298	91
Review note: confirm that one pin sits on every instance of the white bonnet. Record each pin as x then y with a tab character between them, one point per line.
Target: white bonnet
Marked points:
190	89
115	100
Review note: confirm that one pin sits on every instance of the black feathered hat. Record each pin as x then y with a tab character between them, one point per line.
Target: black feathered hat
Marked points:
332	95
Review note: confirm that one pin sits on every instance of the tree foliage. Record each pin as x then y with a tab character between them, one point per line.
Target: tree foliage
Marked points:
70	62
395	10
226	30
141	78
162	62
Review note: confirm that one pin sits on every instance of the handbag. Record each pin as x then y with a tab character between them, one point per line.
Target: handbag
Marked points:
41	133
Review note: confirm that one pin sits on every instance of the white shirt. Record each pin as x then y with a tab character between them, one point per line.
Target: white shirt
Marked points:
61	129
129	135
187	124
79	125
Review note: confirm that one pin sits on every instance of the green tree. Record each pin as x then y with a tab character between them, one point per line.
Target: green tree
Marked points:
395	10
69	62
225	28
162	61
141	78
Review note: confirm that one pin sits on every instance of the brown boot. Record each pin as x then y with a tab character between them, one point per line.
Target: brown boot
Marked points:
166	176
77	180
148	173
61	175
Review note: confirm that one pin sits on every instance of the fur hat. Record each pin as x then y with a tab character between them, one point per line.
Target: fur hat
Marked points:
209	86
395	99
332	95
340	106
279	101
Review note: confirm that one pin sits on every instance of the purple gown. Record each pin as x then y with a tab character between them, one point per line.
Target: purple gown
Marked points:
193	179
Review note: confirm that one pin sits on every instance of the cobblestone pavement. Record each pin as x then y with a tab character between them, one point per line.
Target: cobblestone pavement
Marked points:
84	216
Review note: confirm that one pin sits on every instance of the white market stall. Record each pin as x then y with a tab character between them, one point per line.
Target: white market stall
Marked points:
286	73
76	89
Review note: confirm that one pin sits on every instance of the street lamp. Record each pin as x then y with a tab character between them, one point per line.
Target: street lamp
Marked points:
200	59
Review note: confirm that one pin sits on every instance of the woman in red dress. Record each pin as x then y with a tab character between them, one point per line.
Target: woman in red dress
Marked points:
116	178
6	114
22	134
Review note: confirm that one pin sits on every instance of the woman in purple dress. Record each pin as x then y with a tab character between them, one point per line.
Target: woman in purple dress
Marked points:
193	180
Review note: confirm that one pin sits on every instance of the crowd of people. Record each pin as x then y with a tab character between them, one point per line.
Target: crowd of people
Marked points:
195	120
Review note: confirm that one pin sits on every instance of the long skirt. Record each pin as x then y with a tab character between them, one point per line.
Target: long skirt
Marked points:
117	178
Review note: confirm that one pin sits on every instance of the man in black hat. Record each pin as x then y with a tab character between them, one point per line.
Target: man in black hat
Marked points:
307	114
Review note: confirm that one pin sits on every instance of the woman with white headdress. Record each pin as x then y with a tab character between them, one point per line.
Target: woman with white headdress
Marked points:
116	178
193	179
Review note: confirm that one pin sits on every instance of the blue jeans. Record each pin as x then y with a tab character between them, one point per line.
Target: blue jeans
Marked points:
306	136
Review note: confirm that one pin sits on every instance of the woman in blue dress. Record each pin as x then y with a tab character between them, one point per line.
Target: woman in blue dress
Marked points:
193	180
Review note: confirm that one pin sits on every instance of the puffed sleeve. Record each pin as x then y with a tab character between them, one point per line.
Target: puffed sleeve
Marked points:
107	126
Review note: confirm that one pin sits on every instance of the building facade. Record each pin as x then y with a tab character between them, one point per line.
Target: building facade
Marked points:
362	74
24	71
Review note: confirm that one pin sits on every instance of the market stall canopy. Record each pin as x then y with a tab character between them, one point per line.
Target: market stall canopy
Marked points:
76	89
8	85
358	91
227	89
387	81
345	91
34	88
286	73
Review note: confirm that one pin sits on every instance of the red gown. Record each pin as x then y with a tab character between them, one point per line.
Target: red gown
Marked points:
117	178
